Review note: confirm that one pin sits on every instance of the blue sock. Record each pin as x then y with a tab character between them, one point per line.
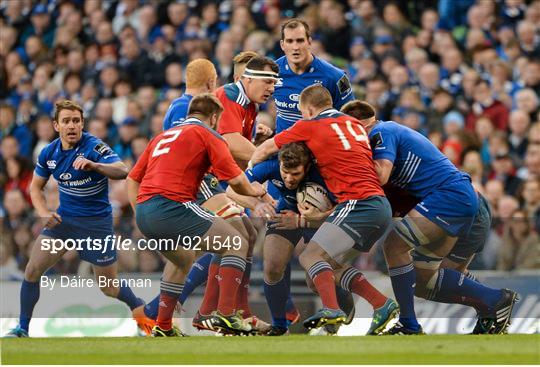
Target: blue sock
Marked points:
29	298
197	276
289	306
452	283
345	299
276	297
151	309
403	282
126	295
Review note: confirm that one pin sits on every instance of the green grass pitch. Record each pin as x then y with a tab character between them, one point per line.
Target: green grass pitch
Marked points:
301	349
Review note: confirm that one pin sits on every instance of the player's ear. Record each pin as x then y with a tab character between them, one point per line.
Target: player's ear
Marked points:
281	45
55	126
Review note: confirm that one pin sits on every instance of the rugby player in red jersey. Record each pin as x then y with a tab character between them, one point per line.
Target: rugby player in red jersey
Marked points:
241	102
237	126
341	148
162	187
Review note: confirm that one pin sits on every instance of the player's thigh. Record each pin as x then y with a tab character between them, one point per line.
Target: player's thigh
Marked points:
165	220
277	252
222	238
419	232
41	258
354	224
461	266
448	211
474	241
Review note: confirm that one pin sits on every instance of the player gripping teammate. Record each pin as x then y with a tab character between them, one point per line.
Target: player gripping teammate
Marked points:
82	165
341	149
201	78
289	171
441	225
298	69
163	186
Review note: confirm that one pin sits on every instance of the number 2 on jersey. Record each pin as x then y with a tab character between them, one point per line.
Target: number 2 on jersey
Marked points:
159	150
358	137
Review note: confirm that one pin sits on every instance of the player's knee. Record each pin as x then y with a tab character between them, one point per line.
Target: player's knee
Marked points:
307	257
32	273
420	290
273	271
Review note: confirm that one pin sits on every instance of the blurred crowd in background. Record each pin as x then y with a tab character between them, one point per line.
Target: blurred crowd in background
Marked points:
465	73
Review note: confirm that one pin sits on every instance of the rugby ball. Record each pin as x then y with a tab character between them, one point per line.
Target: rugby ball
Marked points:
314	194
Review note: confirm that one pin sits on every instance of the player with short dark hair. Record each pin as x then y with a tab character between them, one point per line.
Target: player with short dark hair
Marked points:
450	220
341	148
289	172
82	165
165	208
241	101
298	69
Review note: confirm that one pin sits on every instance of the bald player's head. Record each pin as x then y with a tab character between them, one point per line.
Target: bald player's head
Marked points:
201	75
240	61
313	100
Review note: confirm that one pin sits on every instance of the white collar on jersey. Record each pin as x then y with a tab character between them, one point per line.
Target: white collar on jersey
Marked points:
329	111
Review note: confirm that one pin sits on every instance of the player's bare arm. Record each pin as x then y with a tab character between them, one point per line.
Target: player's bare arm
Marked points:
114	171
50	219
241	148
264	151
384	169
261	207
132	191
242	186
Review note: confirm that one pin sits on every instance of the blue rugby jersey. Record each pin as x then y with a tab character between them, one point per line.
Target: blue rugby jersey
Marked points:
269	171
290	85
419	166
177	111
82	193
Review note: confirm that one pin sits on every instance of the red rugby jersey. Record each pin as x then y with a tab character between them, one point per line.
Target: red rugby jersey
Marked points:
174	162
240	113
341	148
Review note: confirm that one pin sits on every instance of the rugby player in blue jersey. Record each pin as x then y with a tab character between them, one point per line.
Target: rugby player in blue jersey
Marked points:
450	222
82	164
299	69
289	171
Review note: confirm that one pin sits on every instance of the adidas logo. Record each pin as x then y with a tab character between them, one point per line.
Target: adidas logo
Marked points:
162	304
208	324
503	313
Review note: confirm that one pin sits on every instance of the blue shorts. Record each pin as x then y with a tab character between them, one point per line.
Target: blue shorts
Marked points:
293	235
161	218
474	241
78	228
452	207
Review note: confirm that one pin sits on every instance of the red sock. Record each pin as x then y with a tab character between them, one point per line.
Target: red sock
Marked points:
229	282
243	293
360	285
325	283
167	303
211	292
